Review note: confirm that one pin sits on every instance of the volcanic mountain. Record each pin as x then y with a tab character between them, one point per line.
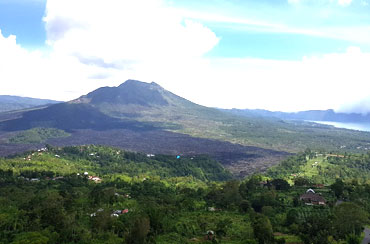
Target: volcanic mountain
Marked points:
138	99
142	117
145	117
133	105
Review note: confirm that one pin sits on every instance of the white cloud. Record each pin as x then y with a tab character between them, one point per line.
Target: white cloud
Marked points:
118	30
323	82
344	2
40	74
95	43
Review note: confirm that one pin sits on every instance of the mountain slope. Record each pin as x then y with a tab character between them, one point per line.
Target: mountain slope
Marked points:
67	116
140	117
134	98
138	106
9	103
145	117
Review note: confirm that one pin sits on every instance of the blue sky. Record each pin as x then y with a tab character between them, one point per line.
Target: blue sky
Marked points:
248	40
241	53
23	19
273	45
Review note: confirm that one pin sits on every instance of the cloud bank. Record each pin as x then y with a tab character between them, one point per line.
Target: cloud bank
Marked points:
94	43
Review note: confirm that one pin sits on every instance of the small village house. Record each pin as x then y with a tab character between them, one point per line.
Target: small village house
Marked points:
311	198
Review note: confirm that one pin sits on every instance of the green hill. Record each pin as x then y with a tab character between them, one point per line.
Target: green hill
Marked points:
324	168
125	197
106	161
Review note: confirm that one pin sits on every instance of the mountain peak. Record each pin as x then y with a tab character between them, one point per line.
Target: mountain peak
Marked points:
129	92
140	84
133	83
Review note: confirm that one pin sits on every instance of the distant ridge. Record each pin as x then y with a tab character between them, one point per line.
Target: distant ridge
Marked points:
312	115
10	103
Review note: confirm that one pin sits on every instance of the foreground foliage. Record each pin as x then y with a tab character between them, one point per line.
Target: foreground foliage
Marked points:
43	200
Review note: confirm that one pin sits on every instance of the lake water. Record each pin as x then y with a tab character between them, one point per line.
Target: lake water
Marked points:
351	126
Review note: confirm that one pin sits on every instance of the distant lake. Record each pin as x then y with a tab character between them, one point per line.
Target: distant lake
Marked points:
351	126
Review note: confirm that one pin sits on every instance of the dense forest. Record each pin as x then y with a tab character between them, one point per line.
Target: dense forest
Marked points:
94	194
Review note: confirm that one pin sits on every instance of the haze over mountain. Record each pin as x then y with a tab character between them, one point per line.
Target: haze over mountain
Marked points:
145	117
9	103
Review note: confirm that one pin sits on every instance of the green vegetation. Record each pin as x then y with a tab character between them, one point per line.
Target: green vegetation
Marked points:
115	163
323	168
165	199
37	135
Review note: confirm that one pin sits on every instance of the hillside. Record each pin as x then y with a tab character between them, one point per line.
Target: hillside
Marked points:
10	103
323	168
104	161
140	117
94	194
147	118
313	115
168	111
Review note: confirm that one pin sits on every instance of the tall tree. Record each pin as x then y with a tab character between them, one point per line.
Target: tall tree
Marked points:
262	229
349	218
